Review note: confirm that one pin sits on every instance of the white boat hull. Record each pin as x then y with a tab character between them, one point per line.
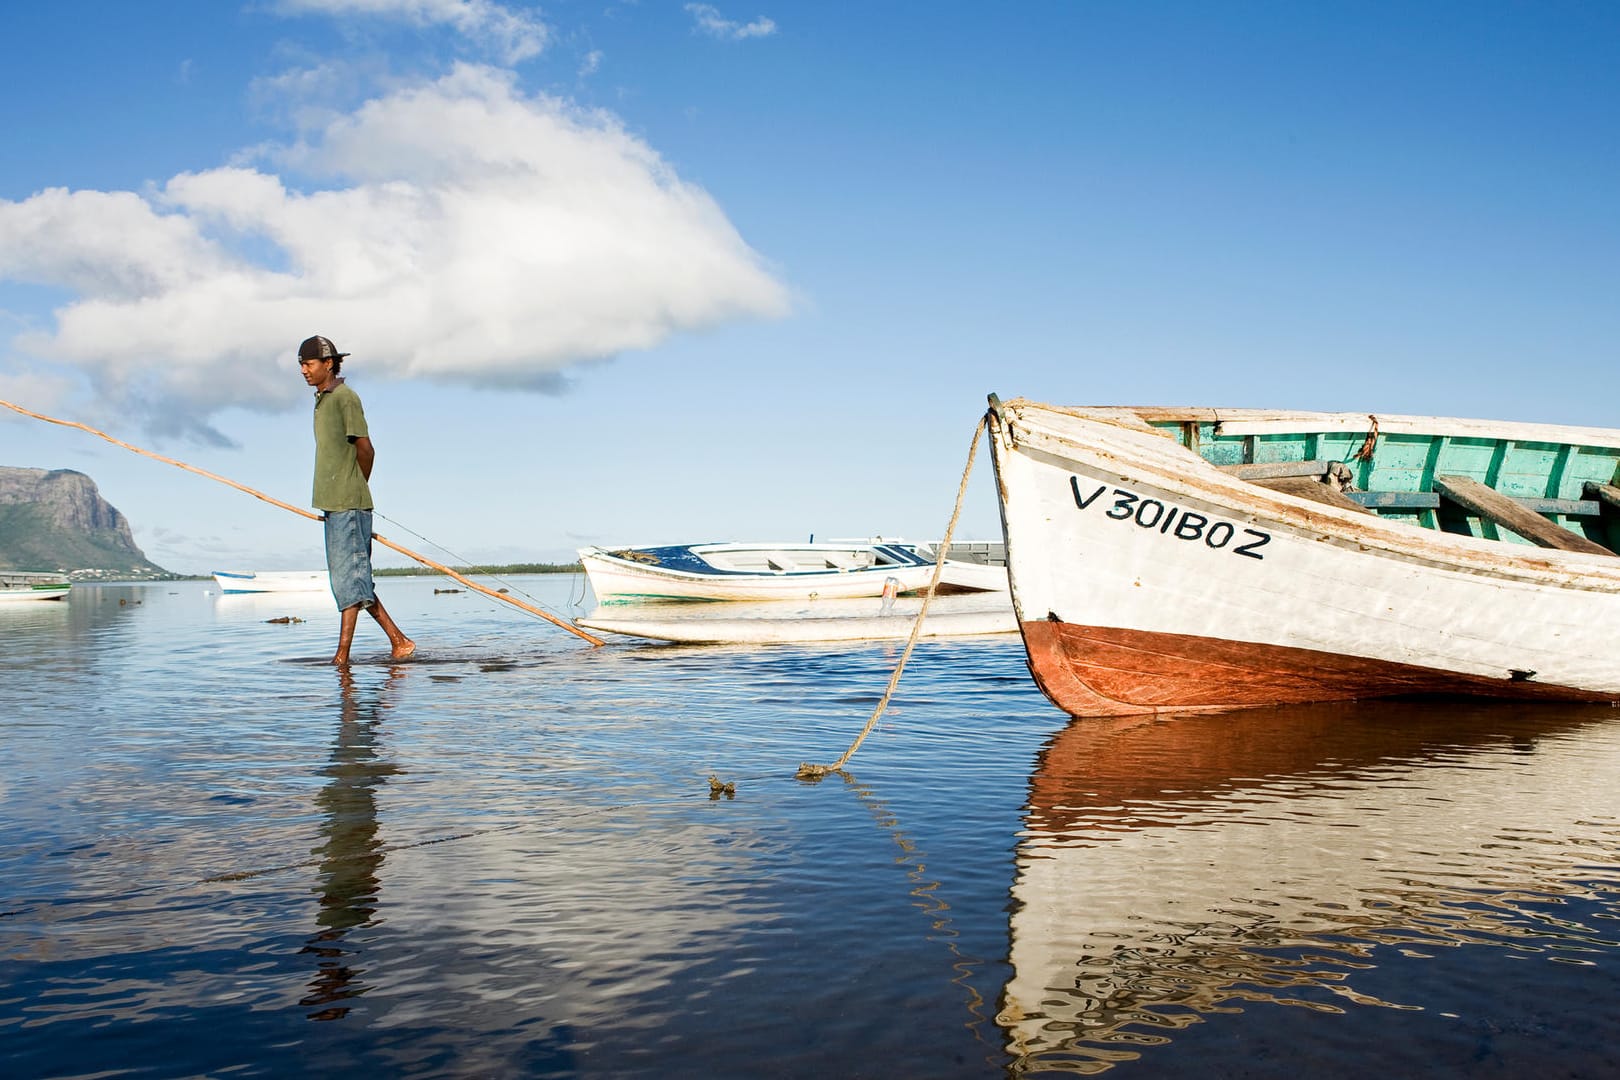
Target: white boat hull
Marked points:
34	593
274	581
767	623
769	572
1145	579
28	586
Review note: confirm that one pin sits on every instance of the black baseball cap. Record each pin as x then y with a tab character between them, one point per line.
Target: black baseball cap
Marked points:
319	348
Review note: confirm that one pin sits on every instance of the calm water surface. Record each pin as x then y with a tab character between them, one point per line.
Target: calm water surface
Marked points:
223	858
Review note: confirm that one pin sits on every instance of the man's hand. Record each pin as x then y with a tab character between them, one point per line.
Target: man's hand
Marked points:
365	454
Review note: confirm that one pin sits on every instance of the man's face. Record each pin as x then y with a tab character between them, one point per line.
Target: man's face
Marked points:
316	372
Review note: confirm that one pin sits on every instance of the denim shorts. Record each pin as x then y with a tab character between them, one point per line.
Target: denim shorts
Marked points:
348	557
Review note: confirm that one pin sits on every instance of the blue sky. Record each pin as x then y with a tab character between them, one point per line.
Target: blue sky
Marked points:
653	272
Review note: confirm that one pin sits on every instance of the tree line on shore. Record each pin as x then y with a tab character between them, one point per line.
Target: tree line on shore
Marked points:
506	568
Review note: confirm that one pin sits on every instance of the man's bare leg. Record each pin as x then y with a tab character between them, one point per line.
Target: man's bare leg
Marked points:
403	646
346	620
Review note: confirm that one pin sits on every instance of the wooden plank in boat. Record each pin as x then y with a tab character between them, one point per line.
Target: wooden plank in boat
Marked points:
1276	470
1606	494
1394	500
1305	488
1575	507
1428	500
1508	513
1607	497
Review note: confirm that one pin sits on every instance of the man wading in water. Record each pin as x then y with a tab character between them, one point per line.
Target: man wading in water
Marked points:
343	457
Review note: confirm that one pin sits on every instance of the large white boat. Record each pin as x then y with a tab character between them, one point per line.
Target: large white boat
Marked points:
21	585
771	571
1166	559
272	581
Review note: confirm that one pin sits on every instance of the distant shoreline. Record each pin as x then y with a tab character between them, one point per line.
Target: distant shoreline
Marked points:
508	568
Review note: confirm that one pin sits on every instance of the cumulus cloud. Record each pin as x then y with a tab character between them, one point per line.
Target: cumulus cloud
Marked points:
455	230
513	35
39	390
711	22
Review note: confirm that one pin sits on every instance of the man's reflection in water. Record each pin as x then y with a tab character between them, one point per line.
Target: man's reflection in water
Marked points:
352	854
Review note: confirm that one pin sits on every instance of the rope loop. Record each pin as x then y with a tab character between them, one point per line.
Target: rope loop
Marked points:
809	771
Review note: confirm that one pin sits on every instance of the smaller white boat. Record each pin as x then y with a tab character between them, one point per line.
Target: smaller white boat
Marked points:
273	581
832	570
19	585
776	623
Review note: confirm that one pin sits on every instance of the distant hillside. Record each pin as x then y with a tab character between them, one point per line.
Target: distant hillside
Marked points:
57	520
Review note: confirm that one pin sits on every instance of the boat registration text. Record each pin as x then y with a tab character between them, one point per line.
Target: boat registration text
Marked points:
1170	520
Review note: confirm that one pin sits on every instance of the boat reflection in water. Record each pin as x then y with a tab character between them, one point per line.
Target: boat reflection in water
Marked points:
1177	871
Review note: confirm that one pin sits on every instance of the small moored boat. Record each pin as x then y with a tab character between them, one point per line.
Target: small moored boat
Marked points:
273	581
775	622
21	585
1196	558
767	571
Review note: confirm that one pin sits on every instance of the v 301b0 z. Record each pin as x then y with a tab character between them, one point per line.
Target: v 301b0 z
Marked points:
1169	520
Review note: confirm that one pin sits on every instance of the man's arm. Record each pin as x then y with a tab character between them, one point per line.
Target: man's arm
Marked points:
364	454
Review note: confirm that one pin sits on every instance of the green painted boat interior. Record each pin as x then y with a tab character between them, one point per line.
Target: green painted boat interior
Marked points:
1393	474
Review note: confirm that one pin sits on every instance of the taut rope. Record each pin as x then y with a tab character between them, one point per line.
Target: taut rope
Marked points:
808	771
383	540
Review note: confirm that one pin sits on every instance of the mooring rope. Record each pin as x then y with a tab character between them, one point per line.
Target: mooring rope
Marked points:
809	771
423	559
1367	446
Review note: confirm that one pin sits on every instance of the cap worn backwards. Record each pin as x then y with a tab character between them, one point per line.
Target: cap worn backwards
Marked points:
319	348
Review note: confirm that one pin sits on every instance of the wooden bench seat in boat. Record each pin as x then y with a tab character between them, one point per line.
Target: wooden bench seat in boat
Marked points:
1302	479
1278	470
1607	497
1520	515
1305	487
1510	514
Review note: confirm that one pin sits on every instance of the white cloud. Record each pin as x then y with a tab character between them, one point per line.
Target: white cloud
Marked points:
38	390
112	245
711	22
513	35
465	232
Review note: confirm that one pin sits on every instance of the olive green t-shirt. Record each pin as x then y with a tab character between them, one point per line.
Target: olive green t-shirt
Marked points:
339	484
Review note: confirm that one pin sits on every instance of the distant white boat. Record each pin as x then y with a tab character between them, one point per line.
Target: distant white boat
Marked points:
273	581
18	585
773	571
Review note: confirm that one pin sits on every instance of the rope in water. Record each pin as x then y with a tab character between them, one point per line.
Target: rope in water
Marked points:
407	552
808	771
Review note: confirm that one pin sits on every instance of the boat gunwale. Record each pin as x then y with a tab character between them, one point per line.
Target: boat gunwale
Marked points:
1185	472
1250	421
611	557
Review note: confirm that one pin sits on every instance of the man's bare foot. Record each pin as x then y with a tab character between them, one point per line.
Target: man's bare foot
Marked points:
404	649
341	660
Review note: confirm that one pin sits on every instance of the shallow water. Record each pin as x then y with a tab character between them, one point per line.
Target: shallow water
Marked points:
222	857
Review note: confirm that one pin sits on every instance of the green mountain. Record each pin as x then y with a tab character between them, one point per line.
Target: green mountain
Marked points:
57	520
